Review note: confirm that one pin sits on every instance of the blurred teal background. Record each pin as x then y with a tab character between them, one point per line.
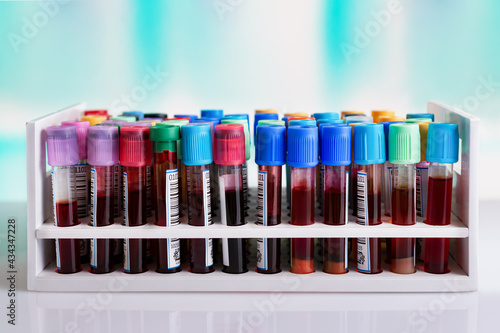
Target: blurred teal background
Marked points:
240	55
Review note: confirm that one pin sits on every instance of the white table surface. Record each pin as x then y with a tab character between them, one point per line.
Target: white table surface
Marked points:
256	312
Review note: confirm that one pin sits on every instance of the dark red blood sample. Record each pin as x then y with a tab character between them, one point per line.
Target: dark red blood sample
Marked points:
137	255
273	203
67	213
302	255
334	207
334	255
402	248
196	209
198	256
235	210
69	256
439	198
104	214
162	253
302	206
137	207
436	255
103	249
353	189
374	208
237	253
403	206
273	257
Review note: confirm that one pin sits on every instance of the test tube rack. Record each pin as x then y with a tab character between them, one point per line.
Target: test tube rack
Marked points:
463	233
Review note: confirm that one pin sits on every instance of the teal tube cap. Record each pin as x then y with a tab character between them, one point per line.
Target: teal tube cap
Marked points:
442	143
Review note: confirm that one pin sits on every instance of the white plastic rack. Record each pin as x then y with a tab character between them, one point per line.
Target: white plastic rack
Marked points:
462	231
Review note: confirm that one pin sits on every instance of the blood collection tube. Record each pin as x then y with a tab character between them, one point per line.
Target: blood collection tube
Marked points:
369	156
262	116
82	182
442	152
137	114
404	153
135	156
422	169
219	114
62	155
302	158
229	154
168	252
270	155
336	157
197	148
103	155
247	155
376	114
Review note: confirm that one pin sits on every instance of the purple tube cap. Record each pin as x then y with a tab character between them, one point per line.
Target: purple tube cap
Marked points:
141	123
62	145
115	122
82	129
103	146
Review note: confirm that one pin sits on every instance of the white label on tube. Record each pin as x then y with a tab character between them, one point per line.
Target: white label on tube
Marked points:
93	253
54	200
322	187
206	197
125	199
346	252
209	252
172	197
126	256
346	197
362	199
262	253
174	252
116	189
93	196
225	252
388	189
262	199
245	185
364	255
222	192
81	183
58	255
422	184
149	196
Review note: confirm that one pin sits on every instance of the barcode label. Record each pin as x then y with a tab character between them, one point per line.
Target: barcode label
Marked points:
362	199
125	199
126	256
93	253
116	188
174	252
422	183
149	192
58	255
262	198
54	200
262	253
222	196
225	252
172	197
93	197
206	197
364	255
209	252
82	189
245	187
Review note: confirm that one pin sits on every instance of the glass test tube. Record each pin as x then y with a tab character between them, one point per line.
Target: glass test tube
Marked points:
167	250
62	155
302	157
270	155
230	156
442	152
103	155
197	148
404	153
135	155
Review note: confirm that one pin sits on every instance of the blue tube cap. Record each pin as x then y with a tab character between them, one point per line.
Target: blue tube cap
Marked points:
270	145
326	115
191	117
358	119
219	114
369	144
335	144
330	121
302	146
442	143
196	144
302	122
137	114
420	115
216	121
386	134
262	116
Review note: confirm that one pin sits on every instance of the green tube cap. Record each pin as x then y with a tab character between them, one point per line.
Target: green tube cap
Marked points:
243	122
418	120
271	122
404	143
128	119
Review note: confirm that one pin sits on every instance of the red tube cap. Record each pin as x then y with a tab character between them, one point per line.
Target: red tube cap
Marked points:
229	145
135	147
